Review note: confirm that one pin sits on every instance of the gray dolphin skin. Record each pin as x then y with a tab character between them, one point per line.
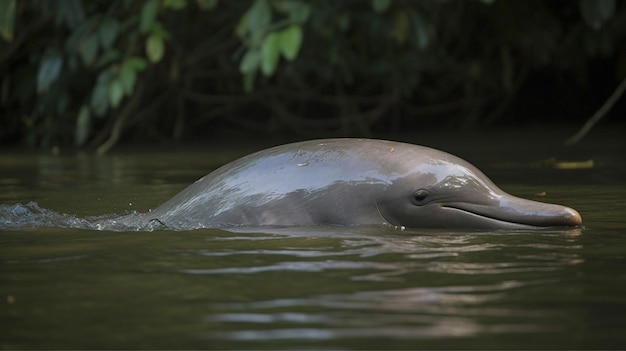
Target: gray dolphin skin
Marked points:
353	182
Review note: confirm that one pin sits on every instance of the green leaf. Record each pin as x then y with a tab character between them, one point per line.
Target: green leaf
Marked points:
422	39
250	62
380	6
49	70
100	95
282	6
155	48
299	12
259	18
175	4
77	37
128	77
137	63
158	30
116	92
207	4
108	32
343	20
401	26
242	26
107	57
72	63
269	54
7	19
290	40
71	12
82	126
597	12
248	81
148	15
88	49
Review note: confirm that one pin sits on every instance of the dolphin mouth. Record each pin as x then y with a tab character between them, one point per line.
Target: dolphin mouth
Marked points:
519	213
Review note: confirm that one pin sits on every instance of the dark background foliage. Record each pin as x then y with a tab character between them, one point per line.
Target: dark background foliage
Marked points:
91	73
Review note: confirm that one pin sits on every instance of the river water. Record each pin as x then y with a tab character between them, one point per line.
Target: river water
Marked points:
309	288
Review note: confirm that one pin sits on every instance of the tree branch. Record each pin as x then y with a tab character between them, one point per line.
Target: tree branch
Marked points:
601	112
118	126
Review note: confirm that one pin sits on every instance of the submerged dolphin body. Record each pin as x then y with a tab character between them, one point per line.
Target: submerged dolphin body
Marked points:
352	182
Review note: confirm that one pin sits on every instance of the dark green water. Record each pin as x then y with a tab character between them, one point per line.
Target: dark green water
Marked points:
324	288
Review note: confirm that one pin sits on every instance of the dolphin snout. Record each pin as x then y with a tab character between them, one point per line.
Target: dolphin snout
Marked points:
515	211
571	217
543	214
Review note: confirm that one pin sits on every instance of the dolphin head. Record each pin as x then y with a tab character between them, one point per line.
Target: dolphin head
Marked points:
450	192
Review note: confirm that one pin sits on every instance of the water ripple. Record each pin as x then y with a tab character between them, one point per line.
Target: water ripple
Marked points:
424	312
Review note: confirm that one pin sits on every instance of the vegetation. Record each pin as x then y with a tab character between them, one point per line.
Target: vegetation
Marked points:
87	73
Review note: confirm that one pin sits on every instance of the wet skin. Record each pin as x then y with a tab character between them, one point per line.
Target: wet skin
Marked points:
353	182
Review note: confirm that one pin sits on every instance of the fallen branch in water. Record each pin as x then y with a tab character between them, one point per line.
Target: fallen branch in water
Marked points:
602	111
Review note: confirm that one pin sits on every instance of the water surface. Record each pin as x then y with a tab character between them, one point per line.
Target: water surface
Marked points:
311	288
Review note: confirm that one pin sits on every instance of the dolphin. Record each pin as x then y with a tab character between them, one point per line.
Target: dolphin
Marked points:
349	182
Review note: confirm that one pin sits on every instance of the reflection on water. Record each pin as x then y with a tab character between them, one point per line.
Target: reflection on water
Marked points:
425	312
423	251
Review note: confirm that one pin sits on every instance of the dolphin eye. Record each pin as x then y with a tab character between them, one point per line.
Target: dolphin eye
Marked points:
420	197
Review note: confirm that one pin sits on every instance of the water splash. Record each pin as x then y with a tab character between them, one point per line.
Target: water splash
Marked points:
31	215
